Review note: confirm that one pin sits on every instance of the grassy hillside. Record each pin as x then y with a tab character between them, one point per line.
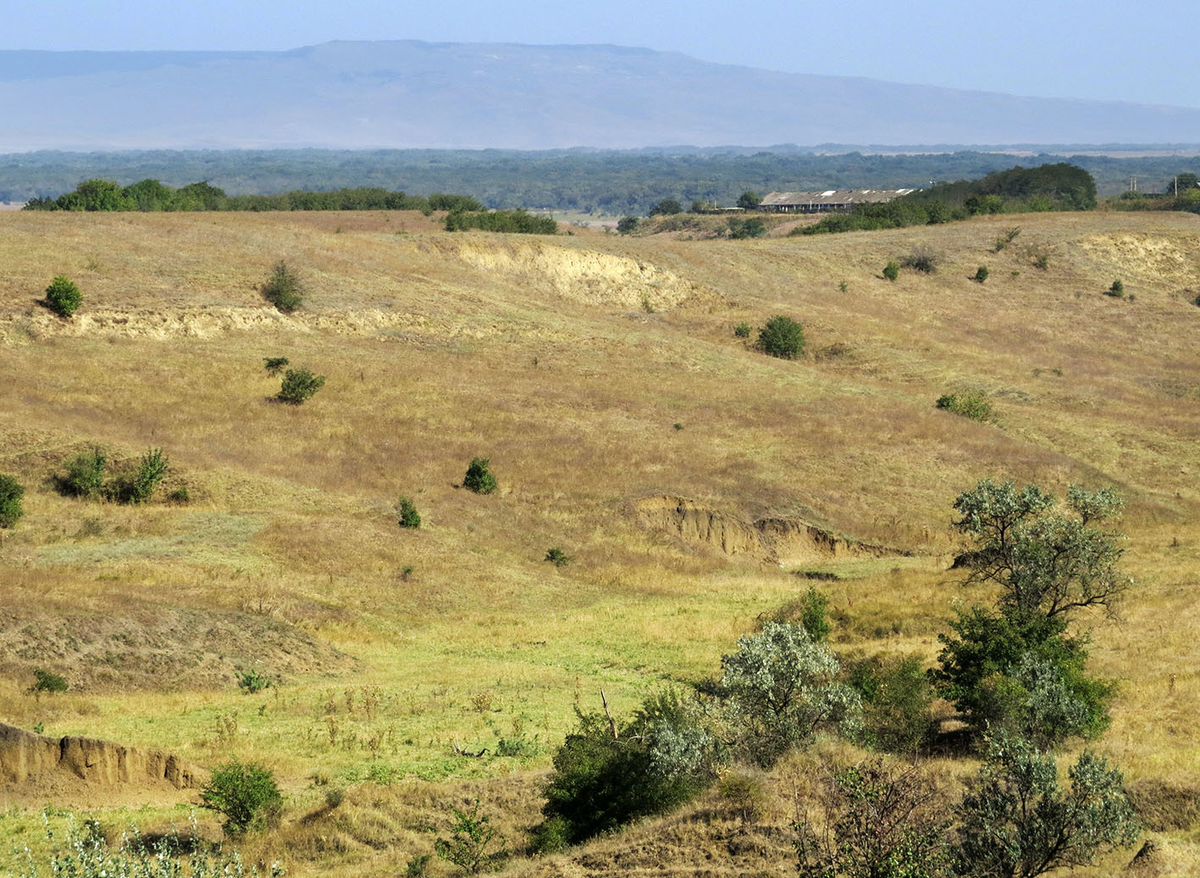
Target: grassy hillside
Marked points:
602	378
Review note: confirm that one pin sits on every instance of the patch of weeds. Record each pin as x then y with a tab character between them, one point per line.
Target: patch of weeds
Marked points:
473	843
922	259
557	557
970	404
47	681
274	365
252	681
1117	290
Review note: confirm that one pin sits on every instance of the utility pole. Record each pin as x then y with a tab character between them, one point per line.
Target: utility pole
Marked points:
1176	185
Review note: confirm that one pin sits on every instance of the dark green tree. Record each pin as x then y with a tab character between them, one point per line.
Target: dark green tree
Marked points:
666	207
299	386
245	794
749	200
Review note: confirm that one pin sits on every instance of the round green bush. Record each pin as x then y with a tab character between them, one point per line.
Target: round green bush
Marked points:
11	493
246	794
63	297
892	270
478	478
782	337
299	385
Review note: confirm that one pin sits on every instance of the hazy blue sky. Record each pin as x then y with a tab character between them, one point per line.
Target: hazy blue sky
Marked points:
1143	51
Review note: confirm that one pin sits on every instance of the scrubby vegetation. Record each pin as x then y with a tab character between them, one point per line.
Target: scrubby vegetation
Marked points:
407	513
519	221
284	290
971	404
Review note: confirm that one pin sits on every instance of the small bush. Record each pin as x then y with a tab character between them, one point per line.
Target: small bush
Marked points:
892	270
274	365
298	386
897	696
479	478
981	274
473	842
407	511
557	556
11	493
283	288
152	468
1117	290
782	337
1041	261
746	794
180	495
627	225
63	297
746	228
742	330
85	475
252	682
245	794
47	681
973	405
923	260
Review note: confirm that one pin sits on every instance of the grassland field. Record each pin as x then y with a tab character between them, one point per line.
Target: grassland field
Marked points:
597	373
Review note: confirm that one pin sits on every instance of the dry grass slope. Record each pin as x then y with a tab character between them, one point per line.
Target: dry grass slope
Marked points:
568	362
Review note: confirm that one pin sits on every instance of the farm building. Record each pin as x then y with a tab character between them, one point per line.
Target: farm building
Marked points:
831	201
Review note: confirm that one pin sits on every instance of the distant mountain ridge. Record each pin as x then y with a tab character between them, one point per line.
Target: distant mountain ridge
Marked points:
459	95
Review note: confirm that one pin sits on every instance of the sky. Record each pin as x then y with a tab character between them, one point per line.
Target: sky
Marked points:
1097	49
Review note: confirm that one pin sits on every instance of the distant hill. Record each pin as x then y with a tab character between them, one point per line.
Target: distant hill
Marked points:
414	94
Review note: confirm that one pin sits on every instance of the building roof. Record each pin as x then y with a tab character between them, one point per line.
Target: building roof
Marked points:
833	196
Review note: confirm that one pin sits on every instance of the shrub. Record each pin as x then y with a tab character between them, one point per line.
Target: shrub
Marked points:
252	682
11	493
972	404
407	511
878	822
781	337
1117	290
742	330
85	475
1041	261
63	297
749	200
627	225
981	274
923	260
473	842
47	681
479	478
892	270
86	854
274	365
746	793
897	697
283	288
781	688
298	386
245	794
751	227
814	614
152	468
1016	822
557	556
607	774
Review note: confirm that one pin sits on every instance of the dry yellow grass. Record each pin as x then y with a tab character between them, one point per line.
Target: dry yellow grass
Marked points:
567	361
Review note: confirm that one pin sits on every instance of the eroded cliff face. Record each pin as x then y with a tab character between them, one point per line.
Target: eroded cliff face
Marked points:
29	760
776	540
